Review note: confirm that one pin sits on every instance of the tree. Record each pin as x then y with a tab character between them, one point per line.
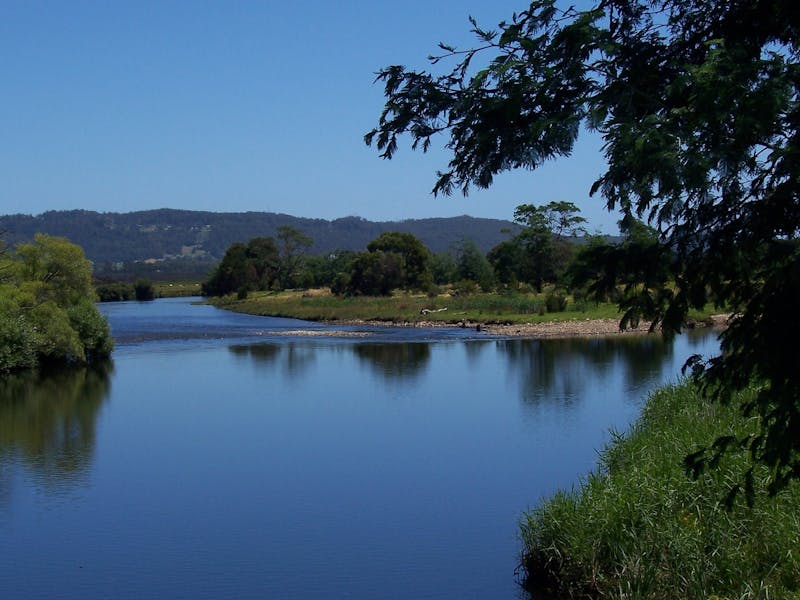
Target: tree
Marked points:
375	273
262	255
444	268
416	257
231	274
143	290
59	265
508	259
292	245
473	265
47	309
697	103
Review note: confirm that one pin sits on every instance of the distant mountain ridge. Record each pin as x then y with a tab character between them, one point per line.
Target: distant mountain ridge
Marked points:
202	235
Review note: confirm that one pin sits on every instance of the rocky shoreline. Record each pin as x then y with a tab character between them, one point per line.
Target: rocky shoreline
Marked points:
555	329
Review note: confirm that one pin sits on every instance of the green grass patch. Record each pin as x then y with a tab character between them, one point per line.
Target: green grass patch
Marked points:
176	289
477	308
639	527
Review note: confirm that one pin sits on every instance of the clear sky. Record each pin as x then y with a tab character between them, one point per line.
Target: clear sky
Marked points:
235	106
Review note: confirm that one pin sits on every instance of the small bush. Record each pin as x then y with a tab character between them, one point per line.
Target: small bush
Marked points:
555	302
340	284
143	290
465	287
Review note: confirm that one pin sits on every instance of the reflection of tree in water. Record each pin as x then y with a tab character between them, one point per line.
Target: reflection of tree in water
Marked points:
641	356
405	360
261	353
474	349
293	358
48	419
559	369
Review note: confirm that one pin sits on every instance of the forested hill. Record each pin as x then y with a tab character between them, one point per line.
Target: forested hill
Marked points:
168	233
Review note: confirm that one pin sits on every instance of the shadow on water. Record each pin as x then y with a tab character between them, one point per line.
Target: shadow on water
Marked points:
48	421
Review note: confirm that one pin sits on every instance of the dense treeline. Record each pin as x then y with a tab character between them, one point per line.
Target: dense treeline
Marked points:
550	248
47	310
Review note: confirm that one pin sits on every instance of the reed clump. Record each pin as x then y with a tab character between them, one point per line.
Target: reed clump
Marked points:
640	527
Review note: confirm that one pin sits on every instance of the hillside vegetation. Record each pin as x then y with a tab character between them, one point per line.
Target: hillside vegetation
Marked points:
203	237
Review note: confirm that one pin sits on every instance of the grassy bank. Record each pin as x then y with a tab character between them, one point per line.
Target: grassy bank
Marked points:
123	290
176	289
640	528
321	305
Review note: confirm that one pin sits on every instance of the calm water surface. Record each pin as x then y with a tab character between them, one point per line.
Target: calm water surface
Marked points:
223	455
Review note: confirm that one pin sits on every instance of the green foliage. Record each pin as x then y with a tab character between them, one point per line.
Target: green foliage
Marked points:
473	265
340	284
393	260
444	268
188	243
58	264
416	257
292	246
115	292
639	528
17	348
508	260
254	266
555	302
697	104
507	307
323	271
376	273
231	273
92	329
465	287
46	307
261	264
143	290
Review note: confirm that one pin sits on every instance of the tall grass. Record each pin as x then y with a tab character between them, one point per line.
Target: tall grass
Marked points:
638	527
478	308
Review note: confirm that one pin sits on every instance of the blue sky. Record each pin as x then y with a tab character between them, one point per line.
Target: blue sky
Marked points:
236	106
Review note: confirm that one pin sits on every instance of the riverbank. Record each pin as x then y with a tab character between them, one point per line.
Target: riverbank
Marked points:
549	329
508	315
640	527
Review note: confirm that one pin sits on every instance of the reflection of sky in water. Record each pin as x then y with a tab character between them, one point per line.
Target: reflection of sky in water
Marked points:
281	466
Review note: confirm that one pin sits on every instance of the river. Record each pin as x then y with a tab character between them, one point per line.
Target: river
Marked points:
225	455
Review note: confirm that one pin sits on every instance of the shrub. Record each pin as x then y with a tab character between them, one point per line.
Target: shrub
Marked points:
555	302
17	347
340	284
115	292
92	329
465	287
143	290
